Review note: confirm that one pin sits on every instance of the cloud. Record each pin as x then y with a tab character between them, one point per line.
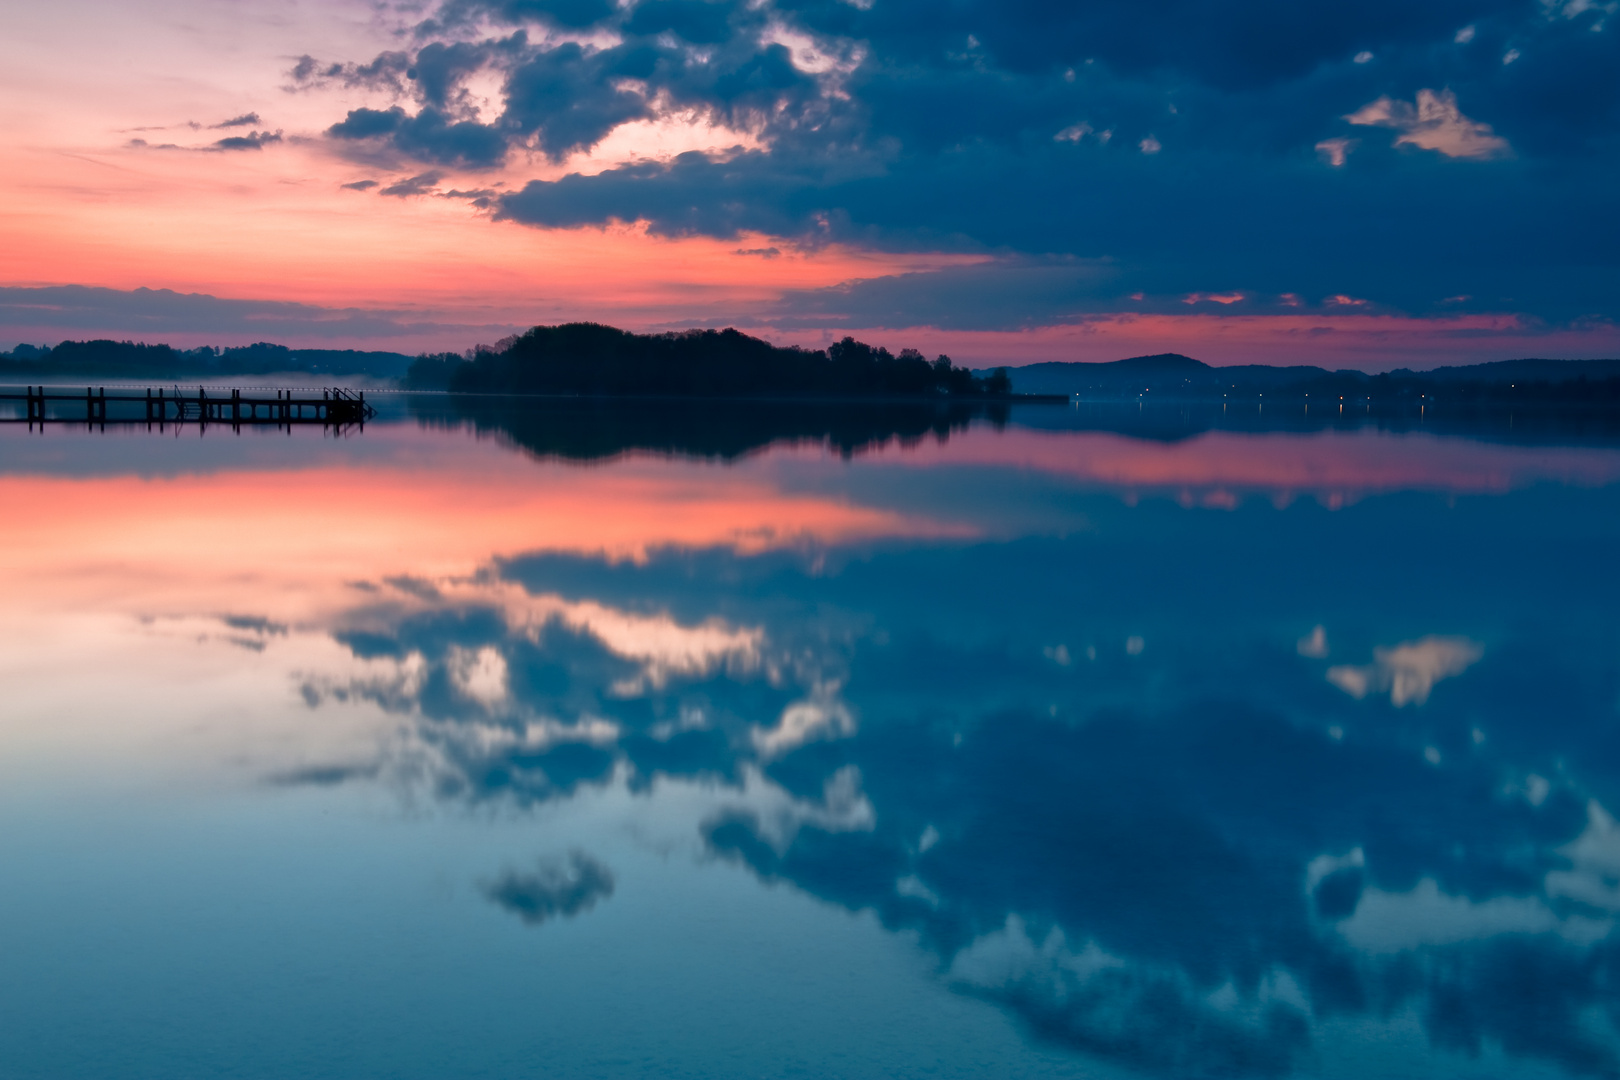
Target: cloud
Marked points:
879	126
1153	1018
552	889
1335	151
1141	879
430	135
821	716
1409	670
424	184
245	120
1434	123
253	140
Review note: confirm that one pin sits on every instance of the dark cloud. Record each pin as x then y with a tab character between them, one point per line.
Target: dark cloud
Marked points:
254	140
482	198
361	185
566	99
245	120
430	135
1025	130
564	14
424	184
367	123
386	72
701	22
552	889
257	624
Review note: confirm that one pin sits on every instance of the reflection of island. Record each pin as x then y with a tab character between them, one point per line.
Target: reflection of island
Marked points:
589	428
595	428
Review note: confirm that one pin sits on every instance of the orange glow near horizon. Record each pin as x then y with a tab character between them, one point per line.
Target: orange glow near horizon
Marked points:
151	218
291	536
440	505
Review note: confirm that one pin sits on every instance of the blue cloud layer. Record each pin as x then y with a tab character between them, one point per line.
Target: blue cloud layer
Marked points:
1191	147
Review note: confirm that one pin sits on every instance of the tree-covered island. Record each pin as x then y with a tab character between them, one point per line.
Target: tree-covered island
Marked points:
592	359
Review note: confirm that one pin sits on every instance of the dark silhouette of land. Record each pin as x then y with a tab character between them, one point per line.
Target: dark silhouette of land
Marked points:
592	359
128	359
1504	382
602	428
589	359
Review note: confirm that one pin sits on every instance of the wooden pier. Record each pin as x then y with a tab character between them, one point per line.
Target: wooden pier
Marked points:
335	407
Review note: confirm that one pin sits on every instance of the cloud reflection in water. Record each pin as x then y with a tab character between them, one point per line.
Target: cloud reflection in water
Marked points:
1077	738
1195	856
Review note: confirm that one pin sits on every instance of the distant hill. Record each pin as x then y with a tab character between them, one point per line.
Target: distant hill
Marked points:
1175	375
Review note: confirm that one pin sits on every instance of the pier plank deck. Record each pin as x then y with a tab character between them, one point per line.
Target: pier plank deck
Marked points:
335	406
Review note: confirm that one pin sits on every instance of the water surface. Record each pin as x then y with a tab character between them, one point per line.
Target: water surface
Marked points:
1036	743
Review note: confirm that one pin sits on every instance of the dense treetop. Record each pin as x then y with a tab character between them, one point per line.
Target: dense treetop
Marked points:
588	358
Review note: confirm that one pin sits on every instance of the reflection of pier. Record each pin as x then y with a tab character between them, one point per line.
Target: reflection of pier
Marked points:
335	407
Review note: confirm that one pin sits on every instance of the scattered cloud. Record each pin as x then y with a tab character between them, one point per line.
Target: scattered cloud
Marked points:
1335	151
553	888
1408	671
423	184
1433	123
253	140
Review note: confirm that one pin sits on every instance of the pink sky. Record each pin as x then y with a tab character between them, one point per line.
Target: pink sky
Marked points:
80	204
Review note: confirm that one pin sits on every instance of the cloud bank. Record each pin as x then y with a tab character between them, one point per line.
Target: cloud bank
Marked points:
1203	152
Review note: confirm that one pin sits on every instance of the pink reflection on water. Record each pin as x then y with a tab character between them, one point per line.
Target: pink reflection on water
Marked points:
1219	468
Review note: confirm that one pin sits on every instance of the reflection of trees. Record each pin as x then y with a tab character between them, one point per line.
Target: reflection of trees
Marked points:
1136	886
586	428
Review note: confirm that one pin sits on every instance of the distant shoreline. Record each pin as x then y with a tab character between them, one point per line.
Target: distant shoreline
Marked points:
589	360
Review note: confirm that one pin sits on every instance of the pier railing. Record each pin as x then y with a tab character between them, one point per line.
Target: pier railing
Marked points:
335	407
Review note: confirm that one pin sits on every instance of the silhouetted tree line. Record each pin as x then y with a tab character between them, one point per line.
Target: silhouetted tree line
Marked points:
138	359
592	359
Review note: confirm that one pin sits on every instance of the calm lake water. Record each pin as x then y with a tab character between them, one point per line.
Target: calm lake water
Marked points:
643	742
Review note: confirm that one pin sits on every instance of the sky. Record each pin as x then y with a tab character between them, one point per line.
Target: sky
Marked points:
1368	185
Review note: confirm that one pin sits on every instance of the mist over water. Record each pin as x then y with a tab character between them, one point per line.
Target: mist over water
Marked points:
774	740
